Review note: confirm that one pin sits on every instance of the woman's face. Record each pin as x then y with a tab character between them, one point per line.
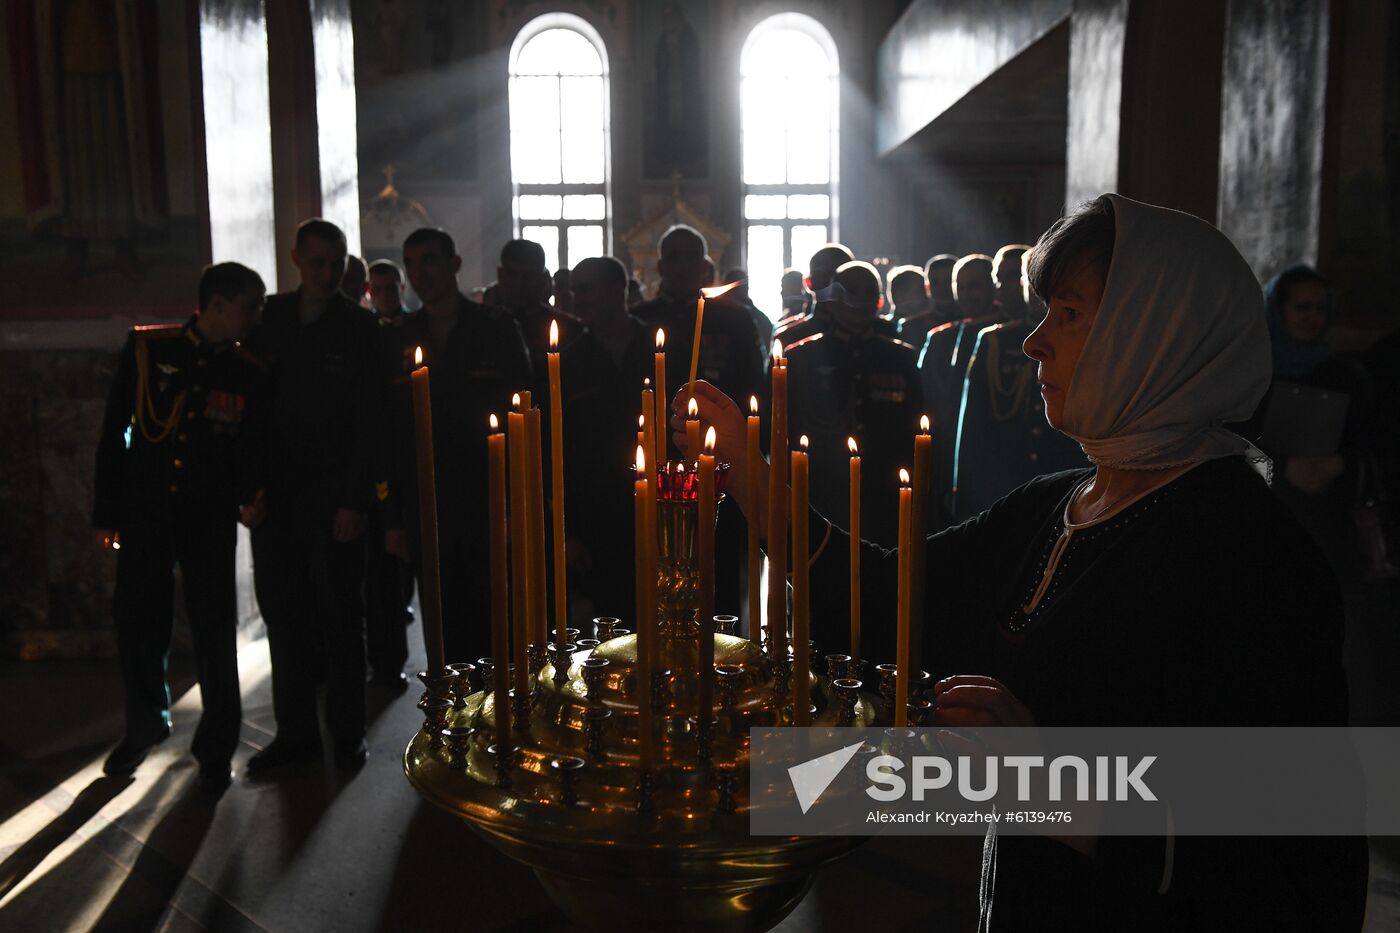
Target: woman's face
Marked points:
1305	311
1058	340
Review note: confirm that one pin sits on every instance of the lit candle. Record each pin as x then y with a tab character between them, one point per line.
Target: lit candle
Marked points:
427	516
901	683
855	547
695	345
706	546
692	429
556	436
520	613
777	509
751	480
500	600
713	291
918	532
640	490
658	413
801	602
534	493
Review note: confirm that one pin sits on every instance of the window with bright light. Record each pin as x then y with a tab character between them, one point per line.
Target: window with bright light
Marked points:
788	93
559	157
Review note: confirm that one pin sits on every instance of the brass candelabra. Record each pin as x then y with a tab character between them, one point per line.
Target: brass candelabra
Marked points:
618	847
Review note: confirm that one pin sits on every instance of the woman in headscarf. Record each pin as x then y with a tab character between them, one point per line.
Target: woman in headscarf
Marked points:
1163	586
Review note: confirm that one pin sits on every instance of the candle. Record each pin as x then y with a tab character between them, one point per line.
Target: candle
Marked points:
901	684
427	516
556	436
641	430
777	509
692	429
707	579
801	603
855	547
918	532
658	413
695	345
649	425
500	611
751	480
641	489
534	495
519	459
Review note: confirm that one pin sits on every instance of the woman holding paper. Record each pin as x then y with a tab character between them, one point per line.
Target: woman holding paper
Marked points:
1163	586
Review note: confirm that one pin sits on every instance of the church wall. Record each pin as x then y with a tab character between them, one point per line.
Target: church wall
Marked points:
432	84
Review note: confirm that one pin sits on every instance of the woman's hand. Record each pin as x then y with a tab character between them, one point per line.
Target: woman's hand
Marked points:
974	700
717	410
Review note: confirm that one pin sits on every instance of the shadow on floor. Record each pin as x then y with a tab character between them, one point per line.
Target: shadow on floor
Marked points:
83	808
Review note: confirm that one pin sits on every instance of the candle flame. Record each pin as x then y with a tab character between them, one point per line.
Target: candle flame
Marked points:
851	446
710	440
680	467
641	462
646	382
803	442
903	477
554	335
753	404
495	422
641	421
661	338
714	291
692	408
777	350
923	424
515	401
417	356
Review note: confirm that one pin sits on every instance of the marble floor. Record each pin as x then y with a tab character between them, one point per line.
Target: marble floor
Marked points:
322	851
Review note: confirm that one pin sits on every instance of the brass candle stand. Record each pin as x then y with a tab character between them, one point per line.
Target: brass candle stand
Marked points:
618	847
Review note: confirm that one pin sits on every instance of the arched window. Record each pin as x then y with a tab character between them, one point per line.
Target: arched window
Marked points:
559	157
788	94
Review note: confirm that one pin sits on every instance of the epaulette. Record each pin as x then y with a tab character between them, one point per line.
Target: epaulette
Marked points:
894	342
804	342
940	328
147	331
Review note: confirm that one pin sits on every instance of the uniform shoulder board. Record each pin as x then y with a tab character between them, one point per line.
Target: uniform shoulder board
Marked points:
804	342
147	331
896	343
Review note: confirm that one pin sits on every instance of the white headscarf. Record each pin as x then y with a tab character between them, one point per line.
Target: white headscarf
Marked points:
1179	347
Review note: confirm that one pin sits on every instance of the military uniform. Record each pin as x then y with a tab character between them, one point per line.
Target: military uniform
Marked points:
323	427
1003	439
816	321
473	374
864	386
179	452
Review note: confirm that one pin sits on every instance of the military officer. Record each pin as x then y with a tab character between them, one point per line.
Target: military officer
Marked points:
852	381
178	456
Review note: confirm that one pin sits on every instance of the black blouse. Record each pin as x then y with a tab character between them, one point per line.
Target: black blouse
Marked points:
1204	603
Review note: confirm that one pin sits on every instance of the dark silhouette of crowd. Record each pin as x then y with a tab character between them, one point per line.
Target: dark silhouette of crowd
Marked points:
314	396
